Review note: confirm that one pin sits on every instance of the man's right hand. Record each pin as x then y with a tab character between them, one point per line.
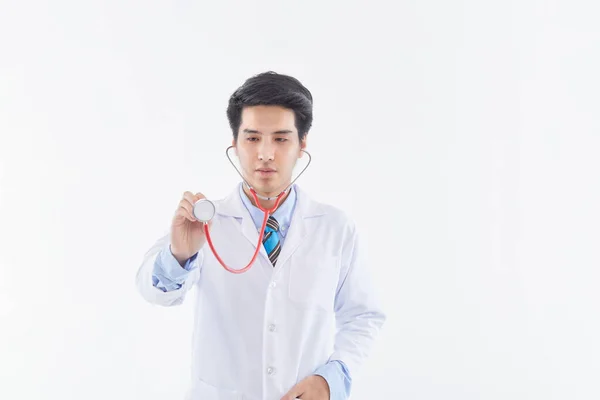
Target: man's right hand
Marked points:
187	233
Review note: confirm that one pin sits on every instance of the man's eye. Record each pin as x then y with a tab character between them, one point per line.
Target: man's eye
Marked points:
251	139
282	139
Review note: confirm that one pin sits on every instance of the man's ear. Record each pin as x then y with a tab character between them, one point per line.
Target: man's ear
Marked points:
303	144
234	144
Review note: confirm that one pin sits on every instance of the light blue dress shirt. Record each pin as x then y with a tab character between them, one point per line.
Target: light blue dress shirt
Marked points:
169	275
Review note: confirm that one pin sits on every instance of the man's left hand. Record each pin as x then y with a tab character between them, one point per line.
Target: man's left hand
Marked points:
315	387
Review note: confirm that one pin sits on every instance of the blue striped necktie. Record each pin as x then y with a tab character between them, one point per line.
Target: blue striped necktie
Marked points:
271	240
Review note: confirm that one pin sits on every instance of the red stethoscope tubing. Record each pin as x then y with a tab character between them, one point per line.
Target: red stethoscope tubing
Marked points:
260	238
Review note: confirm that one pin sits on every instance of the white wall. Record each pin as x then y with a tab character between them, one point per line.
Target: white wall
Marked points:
470	129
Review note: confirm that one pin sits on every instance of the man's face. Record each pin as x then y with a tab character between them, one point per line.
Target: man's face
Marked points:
268	147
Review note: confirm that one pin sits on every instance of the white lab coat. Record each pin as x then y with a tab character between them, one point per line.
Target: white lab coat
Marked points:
259	333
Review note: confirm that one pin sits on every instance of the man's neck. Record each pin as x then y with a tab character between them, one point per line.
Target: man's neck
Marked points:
266	204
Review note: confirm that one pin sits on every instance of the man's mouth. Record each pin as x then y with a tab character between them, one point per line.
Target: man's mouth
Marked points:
265	171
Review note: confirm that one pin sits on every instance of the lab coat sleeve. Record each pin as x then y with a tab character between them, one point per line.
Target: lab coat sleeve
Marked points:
359	316
161	280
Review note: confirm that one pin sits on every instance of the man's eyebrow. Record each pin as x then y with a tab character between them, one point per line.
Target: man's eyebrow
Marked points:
282	131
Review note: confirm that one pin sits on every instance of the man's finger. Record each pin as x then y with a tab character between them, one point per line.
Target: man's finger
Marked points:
291	396
294	393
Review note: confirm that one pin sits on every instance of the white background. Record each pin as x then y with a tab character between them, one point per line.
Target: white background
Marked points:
463	136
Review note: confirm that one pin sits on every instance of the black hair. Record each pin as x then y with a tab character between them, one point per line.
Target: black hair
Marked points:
271	88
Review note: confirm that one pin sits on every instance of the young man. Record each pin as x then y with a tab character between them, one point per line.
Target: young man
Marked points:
269	333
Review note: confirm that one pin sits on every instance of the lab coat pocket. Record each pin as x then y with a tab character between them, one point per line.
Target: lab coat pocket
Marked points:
313	281
203	391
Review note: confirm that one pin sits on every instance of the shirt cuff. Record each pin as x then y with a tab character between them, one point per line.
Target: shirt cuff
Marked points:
168	274
336	374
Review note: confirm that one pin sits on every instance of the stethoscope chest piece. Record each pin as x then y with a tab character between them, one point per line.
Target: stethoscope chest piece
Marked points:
204	210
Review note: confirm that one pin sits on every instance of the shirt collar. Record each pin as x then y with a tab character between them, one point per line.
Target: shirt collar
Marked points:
283	214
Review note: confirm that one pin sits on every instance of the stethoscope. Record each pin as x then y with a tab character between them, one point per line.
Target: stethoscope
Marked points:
204	211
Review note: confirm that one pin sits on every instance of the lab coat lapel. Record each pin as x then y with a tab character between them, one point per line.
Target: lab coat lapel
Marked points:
305	208
232	206
295	236
251	233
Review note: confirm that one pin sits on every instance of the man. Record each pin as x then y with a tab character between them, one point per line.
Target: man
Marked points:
268	333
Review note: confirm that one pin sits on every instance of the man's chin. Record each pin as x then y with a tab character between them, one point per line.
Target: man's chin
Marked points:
258	186
268	187
268	190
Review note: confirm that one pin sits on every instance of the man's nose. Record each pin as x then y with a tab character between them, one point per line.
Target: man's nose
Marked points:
266	151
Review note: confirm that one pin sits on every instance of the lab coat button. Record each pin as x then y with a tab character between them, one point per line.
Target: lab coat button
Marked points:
272	328
273	284
271	371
